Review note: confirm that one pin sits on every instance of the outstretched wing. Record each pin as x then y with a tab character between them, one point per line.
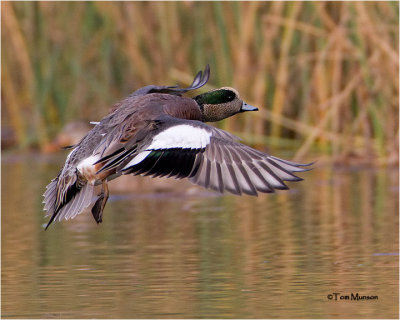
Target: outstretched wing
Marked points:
208	156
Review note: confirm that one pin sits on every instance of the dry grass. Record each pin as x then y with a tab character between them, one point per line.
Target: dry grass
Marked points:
324	74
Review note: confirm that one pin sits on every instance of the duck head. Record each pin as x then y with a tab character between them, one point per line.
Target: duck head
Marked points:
221	103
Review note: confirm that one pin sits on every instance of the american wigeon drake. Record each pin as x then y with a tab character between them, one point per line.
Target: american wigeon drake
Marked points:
157	132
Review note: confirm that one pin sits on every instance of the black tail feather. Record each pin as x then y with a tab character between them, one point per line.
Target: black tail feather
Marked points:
51	220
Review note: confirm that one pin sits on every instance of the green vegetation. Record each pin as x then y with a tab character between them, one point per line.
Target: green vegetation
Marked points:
324	74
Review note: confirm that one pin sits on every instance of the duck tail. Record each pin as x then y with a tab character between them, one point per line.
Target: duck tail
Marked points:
79	199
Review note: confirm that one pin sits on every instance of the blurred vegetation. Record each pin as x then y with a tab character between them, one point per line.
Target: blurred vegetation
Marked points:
324	74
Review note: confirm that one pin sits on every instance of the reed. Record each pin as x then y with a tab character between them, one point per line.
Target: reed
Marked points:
324	74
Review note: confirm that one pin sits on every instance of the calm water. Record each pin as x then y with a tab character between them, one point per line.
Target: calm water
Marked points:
204	255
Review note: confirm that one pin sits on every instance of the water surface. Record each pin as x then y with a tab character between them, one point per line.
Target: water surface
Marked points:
202	255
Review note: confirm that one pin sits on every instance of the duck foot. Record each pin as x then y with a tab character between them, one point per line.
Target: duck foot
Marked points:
97	210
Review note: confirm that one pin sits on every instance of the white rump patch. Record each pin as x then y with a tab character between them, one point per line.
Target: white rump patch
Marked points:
181	136
139	158
86	168
87	163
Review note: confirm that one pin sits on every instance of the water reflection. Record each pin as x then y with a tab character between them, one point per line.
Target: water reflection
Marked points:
203	255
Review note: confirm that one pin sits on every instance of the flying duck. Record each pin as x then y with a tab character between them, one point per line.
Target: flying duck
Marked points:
157	132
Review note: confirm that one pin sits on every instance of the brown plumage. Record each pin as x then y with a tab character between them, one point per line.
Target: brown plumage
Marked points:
157	132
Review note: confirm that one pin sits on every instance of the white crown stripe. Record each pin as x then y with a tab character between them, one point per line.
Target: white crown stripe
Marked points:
181	136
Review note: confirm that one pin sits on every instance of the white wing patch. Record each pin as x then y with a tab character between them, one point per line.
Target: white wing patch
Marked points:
181	136
139	158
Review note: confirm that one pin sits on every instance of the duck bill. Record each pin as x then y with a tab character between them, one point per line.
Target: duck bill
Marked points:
247	107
